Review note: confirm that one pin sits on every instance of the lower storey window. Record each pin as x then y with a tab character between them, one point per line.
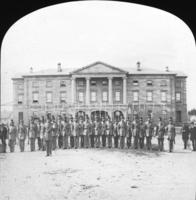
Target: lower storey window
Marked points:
93	96
117	96
104	96
81	96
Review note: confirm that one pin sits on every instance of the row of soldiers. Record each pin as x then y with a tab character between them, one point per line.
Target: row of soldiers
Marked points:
65	132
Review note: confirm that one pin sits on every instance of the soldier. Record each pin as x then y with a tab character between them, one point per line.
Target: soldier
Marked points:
96	124
54	133
76	133
22	132
38	134
103	132
116	133
88	133
135	131
42	132
141	133
122	132
160	134
193	135
185	134
148	133
3	136
72	136
81	132
170	128
48	136
109	132
92	134
65	133
129	133
59	132
32	134
12	132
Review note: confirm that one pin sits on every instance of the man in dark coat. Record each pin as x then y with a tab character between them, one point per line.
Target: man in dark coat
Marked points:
135	131
193	135
3	136
48	136
160	134
129	133
12	134
115	133
32	134
149	133
22	133
141	133
185	134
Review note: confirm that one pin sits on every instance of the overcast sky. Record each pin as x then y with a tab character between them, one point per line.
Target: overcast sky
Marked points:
79	33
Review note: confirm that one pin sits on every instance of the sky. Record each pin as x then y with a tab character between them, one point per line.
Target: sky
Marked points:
80	33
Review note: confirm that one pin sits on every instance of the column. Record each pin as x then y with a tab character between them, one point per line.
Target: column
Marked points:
87	90
73	90
124	90
110	89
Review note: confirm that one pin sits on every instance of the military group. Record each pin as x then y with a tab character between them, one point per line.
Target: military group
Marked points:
82	132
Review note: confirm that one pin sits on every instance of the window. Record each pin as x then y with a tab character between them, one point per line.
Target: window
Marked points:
81	96
163	96
104	82
93	82
178	116
20	116
149	83
104	96
117	96
63	97
163	83
48	97
117	82
135	96
178	83
93	96
20	86
178	96
80	82
20	98
35	84
62	84
48	83
135	83
35	97
149	95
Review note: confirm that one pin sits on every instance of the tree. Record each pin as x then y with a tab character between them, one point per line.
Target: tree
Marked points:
192	112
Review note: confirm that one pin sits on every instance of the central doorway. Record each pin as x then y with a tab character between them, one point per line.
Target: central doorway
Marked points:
99	114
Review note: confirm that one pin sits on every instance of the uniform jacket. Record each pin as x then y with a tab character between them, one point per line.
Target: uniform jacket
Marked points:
12	133
32	130
142	129
160	130
149	129
81	129
193	133
103	128
122	128
115	129
185	132
129	129
135	129
54	129
22	132
109	128
171	132
59	127
3	133
48	131
42	130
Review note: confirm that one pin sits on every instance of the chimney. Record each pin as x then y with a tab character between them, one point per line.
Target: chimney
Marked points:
167	69
138	66
31	69
59	67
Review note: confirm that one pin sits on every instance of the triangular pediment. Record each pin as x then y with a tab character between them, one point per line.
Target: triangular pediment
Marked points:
98	68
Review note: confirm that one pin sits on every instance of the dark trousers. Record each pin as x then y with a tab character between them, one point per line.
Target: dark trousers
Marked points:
185	141
161	144
92	141
97	141
12	145
22	145
122	142
3	141
65	141
53	142
135	141
141	142
194	144
110	141
116	141
39	143
82	141
32	144
72	143
76	142
129	141
48	147
104	140
43	144
148	143
60	141
171	145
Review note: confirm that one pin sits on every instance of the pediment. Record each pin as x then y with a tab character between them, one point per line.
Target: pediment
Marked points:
98	67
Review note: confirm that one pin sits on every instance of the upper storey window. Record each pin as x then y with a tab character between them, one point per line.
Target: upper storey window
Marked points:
20	87
178	83
35	84
135	82
35	97
93	82
163	83
117	82
104	82
20	98
62	84
149	83
80	83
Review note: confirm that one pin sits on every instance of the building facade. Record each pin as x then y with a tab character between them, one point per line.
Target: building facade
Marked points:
101	89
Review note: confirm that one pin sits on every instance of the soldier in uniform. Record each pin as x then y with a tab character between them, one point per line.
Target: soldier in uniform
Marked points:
12	133
141	133
42	132
148	133
129	133
103	132
48	136
59	132
185	134
3	136
81	132
32	134
72	136
109	132
122	132
193	135
160	134
38	133
54	133
92	134
96	125
116	133
65	133
135	132
76	133
22	133
88	133
171	133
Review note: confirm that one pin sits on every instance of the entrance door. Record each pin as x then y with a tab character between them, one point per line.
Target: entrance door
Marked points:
178	116
20	116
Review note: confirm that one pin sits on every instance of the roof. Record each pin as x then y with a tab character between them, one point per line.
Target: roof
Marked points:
68	71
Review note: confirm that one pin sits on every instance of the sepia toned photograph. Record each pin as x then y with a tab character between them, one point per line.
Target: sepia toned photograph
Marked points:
98	103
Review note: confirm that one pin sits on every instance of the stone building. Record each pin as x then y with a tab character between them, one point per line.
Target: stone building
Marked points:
101	89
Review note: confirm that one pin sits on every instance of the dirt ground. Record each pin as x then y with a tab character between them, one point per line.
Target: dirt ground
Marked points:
94	174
